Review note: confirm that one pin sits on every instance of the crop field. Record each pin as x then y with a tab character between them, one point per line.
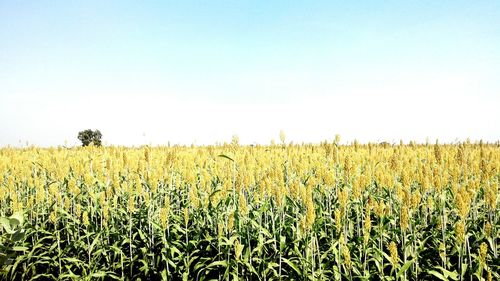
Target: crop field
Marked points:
233	212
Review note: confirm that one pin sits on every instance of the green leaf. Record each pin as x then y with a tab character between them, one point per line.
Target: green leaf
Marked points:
282	242
17	219
72	260
446	274
217	263
14	222
98	274
17	236
5	222
225	156
386	256
438	275
20	249
464	268
404	268
292	265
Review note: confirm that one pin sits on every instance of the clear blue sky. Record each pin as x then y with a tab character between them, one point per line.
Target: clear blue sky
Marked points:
201	71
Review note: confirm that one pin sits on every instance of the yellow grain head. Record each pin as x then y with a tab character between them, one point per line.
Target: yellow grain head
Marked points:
164	217
416	197
380	209
131	204
437	152
462	201
238	249
338	219
404	220
14	203
483	252
394	161
78	210
186	216
53	217
393	251
310	210
294	189
220	229
31	202
491	194
460	155
405	178
67	204
329	178
108	164
343	198
72	189
436	179
85	219
430	203
147	157
193	197
242	204
347	256
407	197
487	229
367	226
460	231
230	222
342	240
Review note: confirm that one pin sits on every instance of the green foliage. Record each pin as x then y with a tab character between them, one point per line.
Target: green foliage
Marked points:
266	241
88	137
11	238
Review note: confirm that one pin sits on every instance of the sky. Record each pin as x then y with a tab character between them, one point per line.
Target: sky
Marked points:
199	72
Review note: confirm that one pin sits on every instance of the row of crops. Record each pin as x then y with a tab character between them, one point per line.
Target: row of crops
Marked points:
231	212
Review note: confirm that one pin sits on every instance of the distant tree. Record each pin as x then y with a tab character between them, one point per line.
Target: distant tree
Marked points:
88	136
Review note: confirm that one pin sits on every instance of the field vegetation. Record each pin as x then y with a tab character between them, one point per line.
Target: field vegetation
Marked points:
229	212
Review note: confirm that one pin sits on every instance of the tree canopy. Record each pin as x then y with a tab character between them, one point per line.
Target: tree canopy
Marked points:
89	136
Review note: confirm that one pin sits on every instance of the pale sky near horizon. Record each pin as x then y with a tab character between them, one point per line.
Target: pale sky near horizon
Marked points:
152	72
